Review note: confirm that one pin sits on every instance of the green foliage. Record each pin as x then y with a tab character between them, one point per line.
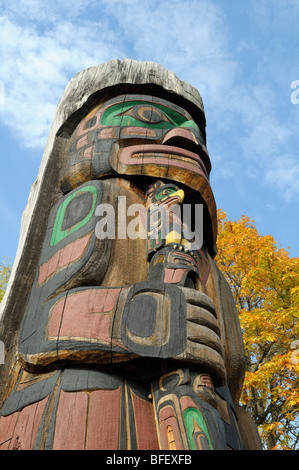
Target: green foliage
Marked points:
5	269
265	283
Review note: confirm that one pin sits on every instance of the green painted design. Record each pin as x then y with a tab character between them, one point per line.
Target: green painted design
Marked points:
145	114
190	124
165	192
191	415
58	234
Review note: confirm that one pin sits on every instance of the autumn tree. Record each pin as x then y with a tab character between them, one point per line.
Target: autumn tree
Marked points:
265	283
5	269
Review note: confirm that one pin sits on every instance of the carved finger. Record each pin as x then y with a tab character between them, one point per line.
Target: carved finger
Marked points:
202	335
199	299
206	358
201	316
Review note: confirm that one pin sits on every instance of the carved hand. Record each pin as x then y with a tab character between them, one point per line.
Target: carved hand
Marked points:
169	322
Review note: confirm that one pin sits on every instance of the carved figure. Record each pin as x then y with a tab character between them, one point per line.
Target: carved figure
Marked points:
118	340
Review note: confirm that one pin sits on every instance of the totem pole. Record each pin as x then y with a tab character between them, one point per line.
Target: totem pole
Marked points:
120	331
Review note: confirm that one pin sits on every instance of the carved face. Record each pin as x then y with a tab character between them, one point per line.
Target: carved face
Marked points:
173	266
137	135
144	137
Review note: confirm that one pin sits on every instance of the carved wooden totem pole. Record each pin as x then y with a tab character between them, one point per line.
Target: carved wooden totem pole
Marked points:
120	331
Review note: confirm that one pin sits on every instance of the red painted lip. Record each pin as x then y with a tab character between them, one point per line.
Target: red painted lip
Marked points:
132	153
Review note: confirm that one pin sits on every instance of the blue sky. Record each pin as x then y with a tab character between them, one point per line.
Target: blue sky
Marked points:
242	56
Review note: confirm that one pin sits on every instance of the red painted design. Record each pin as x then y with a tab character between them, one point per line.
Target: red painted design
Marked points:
145	424
162	155
104	420
185	256
88	153
70	428
18	431
107	133
187	402
65	256
81	315
82	141
7	426
167	418
96	113
172	276
142	131
180	132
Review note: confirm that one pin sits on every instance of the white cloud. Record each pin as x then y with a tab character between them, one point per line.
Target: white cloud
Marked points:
45	11
283	176
44	43
37	65
189	38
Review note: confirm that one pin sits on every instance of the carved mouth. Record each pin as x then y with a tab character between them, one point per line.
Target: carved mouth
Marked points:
171	201
163	154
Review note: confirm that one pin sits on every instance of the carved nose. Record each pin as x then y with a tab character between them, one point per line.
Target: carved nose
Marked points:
178	196
186	139
180	137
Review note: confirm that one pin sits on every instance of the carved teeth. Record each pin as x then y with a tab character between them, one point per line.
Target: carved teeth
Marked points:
186	250
180	248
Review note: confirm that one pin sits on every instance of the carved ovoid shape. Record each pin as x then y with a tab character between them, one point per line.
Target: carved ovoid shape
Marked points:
154	320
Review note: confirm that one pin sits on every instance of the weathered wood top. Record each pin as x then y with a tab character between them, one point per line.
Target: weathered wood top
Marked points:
77	98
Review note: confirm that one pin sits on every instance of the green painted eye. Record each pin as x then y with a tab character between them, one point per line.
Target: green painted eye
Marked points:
143	114
165	192
149	114
74	212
